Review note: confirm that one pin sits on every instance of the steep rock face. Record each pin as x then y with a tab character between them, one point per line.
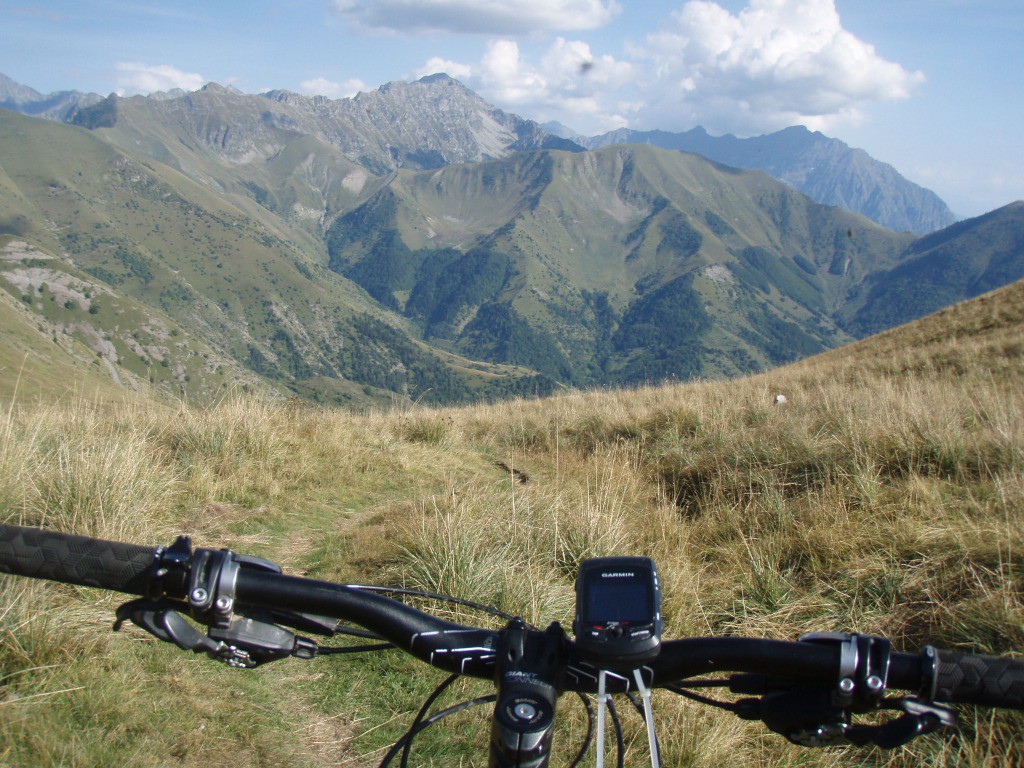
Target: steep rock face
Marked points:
824	169
427	124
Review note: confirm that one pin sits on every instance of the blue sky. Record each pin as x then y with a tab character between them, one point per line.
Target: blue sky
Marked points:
930	86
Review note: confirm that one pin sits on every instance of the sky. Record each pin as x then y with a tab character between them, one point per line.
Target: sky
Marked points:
932	87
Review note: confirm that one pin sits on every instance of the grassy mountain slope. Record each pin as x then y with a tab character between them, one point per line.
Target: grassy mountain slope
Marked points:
960	262
88	336
983	333
244	287
243	224
36	365
437	120
883	498
621	264
251	150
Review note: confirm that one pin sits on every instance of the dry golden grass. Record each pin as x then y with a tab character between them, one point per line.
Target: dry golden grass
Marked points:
886	496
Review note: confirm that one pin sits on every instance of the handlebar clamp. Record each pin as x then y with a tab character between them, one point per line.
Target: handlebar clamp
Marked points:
206	579
815	717
863	668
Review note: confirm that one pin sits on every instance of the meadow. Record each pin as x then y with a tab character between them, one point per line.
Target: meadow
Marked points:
885	496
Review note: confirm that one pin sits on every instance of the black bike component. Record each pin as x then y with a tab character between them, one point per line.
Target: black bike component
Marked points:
806	718
819	715
318	625
808	689
620	742
489	609
74	559
415	727
254	639
400	744
589	706
245	641
683	690
331	651
919	719
442	644
811	715
212	579
618	620
527	674
240	639
863	668
162	620
977	679
811	720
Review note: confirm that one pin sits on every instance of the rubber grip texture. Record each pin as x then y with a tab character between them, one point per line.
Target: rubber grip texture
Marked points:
75	559
990	681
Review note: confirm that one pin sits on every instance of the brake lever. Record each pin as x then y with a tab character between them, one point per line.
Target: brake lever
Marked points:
919	718
809	719
162	620
245	641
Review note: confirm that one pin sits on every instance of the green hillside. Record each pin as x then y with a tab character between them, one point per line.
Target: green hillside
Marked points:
227	241
37	364
624	264
243	298
957	263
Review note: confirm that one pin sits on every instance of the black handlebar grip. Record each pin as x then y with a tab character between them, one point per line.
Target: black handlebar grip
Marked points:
990	681
76	559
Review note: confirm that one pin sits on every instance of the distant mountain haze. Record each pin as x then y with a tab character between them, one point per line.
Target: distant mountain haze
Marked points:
824	169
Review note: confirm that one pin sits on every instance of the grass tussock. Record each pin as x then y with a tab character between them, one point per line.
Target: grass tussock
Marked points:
886	496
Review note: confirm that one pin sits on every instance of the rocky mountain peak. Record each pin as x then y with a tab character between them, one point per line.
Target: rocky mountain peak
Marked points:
15	93
437	120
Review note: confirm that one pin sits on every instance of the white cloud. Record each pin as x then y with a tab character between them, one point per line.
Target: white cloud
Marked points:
499	17
775	63
574	68
136	77
321	86
569	81
436	64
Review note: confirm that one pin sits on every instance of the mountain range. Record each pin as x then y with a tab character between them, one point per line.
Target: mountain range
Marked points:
437	121
824	169
416	242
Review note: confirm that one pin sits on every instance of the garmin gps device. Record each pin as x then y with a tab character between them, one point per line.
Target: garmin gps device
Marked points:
618	612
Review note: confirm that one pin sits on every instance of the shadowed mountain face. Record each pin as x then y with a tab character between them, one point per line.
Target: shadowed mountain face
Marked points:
620	265
963	261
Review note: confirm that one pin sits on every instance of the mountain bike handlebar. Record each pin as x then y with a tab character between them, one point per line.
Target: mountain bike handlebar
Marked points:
246	603
43	554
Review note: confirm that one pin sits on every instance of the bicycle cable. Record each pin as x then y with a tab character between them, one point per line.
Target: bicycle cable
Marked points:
442	598
429	721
